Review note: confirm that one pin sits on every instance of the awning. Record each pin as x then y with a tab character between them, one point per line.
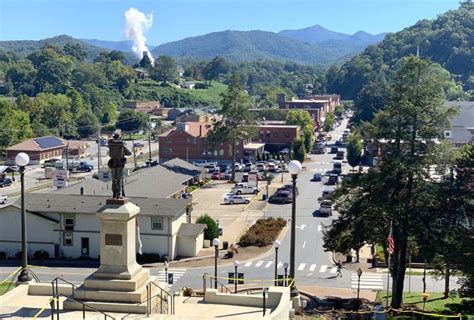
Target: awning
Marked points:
254	146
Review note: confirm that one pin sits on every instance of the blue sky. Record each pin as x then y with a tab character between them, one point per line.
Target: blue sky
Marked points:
177	19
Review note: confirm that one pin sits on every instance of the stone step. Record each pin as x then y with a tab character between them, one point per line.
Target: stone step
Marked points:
136	296
116	307
140	280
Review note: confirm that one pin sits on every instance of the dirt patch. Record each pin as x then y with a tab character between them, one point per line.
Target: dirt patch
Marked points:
244	254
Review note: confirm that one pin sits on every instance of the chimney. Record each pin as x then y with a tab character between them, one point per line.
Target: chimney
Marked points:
81	191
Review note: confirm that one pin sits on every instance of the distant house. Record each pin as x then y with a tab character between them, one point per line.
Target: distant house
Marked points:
76	148
189	84
148	107
195	115
175	112
141	73
66	226
38	149
462	125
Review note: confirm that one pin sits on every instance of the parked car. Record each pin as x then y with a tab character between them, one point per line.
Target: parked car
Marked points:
204	163
337	167
5	182
325	208
317	177
224	167
338	143
248	167
211	168
138	145
282	196
244	188
3	199
334	149
288	187
216	175
238	167
319	148
50	163
272	167
333	179
151	163
325	195
261	166
236	199
339	155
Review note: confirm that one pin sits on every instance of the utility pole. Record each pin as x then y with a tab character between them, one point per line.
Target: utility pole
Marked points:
99	141
134	155
67	156
149	139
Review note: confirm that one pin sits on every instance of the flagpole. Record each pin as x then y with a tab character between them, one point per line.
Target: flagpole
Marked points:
388	277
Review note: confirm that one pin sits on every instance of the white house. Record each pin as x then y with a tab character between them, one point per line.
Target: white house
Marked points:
66	226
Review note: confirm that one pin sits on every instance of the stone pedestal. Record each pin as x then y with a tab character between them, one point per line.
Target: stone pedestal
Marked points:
119	285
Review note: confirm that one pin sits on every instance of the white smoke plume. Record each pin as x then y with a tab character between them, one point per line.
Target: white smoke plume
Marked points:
136	25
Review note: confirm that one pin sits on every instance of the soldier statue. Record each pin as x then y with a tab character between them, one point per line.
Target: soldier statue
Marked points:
117	153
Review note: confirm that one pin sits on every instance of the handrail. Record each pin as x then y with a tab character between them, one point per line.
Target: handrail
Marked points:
55	292
170	303
84	306
222	286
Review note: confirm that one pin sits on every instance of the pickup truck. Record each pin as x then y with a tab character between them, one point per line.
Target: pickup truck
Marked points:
243	188
74	165
3	199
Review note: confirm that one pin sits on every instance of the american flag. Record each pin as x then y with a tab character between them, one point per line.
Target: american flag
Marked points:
391	243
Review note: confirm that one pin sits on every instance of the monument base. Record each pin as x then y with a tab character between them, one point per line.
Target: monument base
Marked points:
120	283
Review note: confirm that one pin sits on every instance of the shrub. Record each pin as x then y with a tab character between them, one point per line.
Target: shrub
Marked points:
41	255
263	232
165	258
148	258
212	231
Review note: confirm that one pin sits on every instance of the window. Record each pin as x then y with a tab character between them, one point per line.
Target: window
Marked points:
447	134
287	134
157	223
188	140
67	238
275	134
221	152
69	221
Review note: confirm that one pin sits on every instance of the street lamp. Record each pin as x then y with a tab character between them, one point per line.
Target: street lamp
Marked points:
166	271
21	160
294	168
359	274
277	245
236	264
285	266
216	242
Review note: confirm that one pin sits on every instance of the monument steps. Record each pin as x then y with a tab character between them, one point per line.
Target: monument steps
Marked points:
118	307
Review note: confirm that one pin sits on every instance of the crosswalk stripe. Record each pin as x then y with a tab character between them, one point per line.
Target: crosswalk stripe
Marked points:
259	263
312	267
323	268
177	274
248	264
269	263
368	287
301	266
280	265
309	274
333	270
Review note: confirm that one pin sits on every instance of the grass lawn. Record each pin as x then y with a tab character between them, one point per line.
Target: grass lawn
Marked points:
5	287
436	303
211	94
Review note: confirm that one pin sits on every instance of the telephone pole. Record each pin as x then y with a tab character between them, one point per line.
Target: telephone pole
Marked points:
99	141
149	139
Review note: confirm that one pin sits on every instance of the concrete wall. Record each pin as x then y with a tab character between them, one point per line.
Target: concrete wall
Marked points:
278	299
189	246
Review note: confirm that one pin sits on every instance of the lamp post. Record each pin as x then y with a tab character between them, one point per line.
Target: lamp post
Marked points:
216	242
166	271
285	266
277	245
359	274
294	168
236	265
21	161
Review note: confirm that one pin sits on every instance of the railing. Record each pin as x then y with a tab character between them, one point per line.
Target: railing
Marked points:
57	295
222	288
167	299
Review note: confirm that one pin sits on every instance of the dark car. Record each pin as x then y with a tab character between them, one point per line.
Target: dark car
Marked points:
138	145
338	143
281	197
288	187
339	155
334	149
333	179
316	177
5	182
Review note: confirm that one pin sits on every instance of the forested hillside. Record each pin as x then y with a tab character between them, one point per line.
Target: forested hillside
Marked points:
447	40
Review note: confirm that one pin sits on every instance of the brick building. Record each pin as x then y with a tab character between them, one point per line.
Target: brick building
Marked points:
142	106
317	108
188	142
277	137
334	99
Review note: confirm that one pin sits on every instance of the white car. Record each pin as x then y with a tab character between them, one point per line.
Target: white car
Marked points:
3	199
272	167
238	167
243	188
236	199
261	166
248	167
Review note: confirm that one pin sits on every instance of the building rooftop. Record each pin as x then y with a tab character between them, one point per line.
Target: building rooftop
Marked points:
277	126
191	229
465	116
38	144
180	166
56	202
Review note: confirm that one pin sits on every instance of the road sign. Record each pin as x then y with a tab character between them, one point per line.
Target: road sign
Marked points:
231	277
253	180
61	175
170	278
60	183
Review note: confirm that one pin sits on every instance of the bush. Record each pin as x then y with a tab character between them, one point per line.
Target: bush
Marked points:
263	233
41	255
148	258
212	231
165	258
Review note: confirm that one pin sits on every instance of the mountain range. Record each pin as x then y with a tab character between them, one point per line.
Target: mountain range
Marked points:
313	45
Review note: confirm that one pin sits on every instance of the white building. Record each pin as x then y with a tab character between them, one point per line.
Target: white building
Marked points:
66	226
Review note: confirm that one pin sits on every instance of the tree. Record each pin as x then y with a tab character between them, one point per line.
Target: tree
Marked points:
399	191
131	121
303	119
354	149
214	68
236	125
53	75
299	151
329	121
14	125
21	75
145	62
212	231
75	50
86	123
165	69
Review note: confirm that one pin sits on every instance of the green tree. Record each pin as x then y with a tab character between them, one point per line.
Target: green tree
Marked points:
214	68
53	75
87	124
236	125
75	50
399	190
88	73
145	62
303	119
329	121
212	231
299	151
14	125
22	75
354	149
165	69
131	121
